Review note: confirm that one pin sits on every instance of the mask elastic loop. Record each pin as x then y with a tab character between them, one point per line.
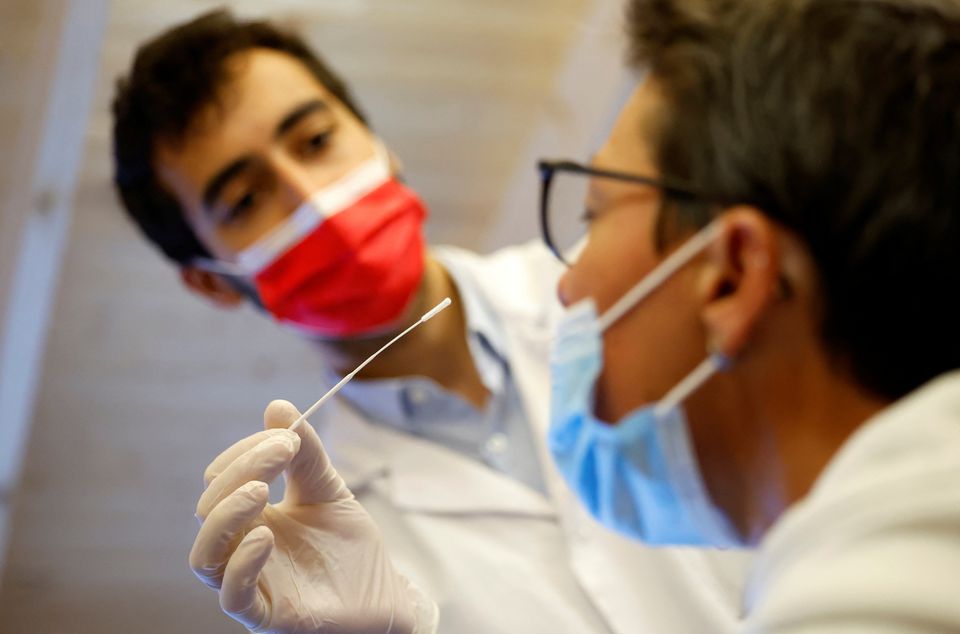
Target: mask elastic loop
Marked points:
674	262
219	267
691	383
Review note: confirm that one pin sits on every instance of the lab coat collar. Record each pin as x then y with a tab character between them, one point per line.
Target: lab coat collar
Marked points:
888	474
912	426
484	328
522	278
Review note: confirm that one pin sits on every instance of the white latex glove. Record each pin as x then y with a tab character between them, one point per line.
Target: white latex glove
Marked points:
312	563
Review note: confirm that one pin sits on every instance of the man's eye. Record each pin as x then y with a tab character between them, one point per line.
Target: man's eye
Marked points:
240	209
317	142
588	215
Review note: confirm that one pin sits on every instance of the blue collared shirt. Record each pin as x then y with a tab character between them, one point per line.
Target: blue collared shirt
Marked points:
498	435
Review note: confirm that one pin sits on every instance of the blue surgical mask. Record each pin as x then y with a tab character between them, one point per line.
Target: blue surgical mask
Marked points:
639	476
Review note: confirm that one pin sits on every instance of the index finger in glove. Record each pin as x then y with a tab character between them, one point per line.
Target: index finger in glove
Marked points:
233	452
311	478
264	462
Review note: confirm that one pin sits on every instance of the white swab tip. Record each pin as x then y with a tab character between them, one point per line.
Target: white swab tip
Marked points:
436	309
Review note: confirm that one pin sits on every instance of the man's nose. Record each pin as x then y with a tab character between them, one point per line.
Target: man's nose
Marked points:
295	182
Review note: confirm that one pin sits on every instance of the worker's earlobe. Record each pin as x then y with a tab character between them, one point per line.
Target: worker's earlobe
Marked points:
211	286
740	279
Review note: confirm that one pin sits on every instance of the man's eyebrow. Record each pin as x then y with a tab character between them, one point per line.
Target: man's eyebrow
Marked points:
292	119
216	184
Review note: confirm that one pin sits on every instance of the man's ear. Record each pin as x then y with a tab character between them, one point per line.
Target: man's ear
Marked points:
740	279
212	286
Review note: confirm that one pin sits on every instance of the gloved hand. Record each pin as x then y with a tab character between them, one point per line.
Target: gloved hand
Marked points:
312	563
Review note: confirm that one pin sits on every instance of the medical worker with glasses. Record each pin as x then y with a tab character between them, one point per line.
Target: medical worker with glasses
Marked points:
760	340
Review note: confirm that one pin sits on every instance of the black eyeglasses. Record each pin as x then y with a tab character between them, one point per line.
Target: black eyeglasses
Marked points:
563	194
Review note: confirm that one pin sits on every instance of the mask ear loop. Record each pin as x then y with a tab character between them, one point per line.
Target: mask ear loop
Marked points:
674	262
218	266
716	362
234	275
685	472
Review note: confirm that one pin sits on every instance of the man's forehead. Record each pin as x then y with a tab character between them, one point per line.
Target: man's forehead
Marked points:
263	90
629	145
262	86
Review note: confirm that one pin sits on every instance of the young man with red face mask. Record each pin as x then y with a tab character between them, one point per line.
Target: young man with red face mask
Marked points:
247	162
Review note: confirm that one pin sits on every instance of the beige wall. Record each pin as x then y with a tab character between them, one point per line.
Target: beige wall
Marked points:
30	33
48	64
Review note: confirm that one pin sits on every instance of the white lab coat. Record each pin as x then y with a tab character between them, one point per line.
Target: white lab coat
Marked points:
497	556
875	546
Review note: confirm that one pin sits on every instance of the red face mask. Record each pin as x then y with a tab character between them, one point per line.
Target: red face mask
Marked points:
349	261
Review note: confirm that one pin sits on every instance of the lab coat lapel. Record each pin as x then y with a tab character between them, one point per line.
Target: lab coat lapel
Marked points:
519	283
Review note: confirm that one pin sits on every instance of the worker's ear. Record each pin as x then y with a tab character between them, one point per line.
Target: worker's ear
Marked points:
212	286
740	279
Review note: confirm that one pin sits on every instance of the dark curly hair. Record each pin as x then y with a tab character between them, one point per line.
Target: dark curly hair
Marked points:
173	77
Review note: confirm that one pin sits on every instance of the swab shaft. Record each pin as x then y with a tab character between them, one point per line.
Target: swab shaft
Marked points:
336	388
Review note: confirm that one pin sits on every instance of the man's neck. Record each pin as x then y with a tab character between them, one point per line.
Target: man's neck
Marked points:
810	422
437	349
834	409
767	429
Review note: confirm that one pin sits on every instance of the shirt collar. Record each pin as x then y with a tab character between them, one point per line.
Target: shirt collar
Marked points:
485	334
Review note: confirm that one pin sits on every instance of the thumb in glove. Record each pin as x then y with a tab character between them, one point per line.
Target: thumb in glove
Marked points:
311	479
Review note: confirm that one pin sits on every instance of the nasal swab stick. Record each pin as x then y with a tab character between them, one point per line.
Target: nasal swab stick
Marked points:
336	388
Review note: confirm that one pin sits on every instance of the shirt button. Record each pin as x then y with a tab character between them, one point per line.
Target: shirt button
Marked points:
417	395
497	444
